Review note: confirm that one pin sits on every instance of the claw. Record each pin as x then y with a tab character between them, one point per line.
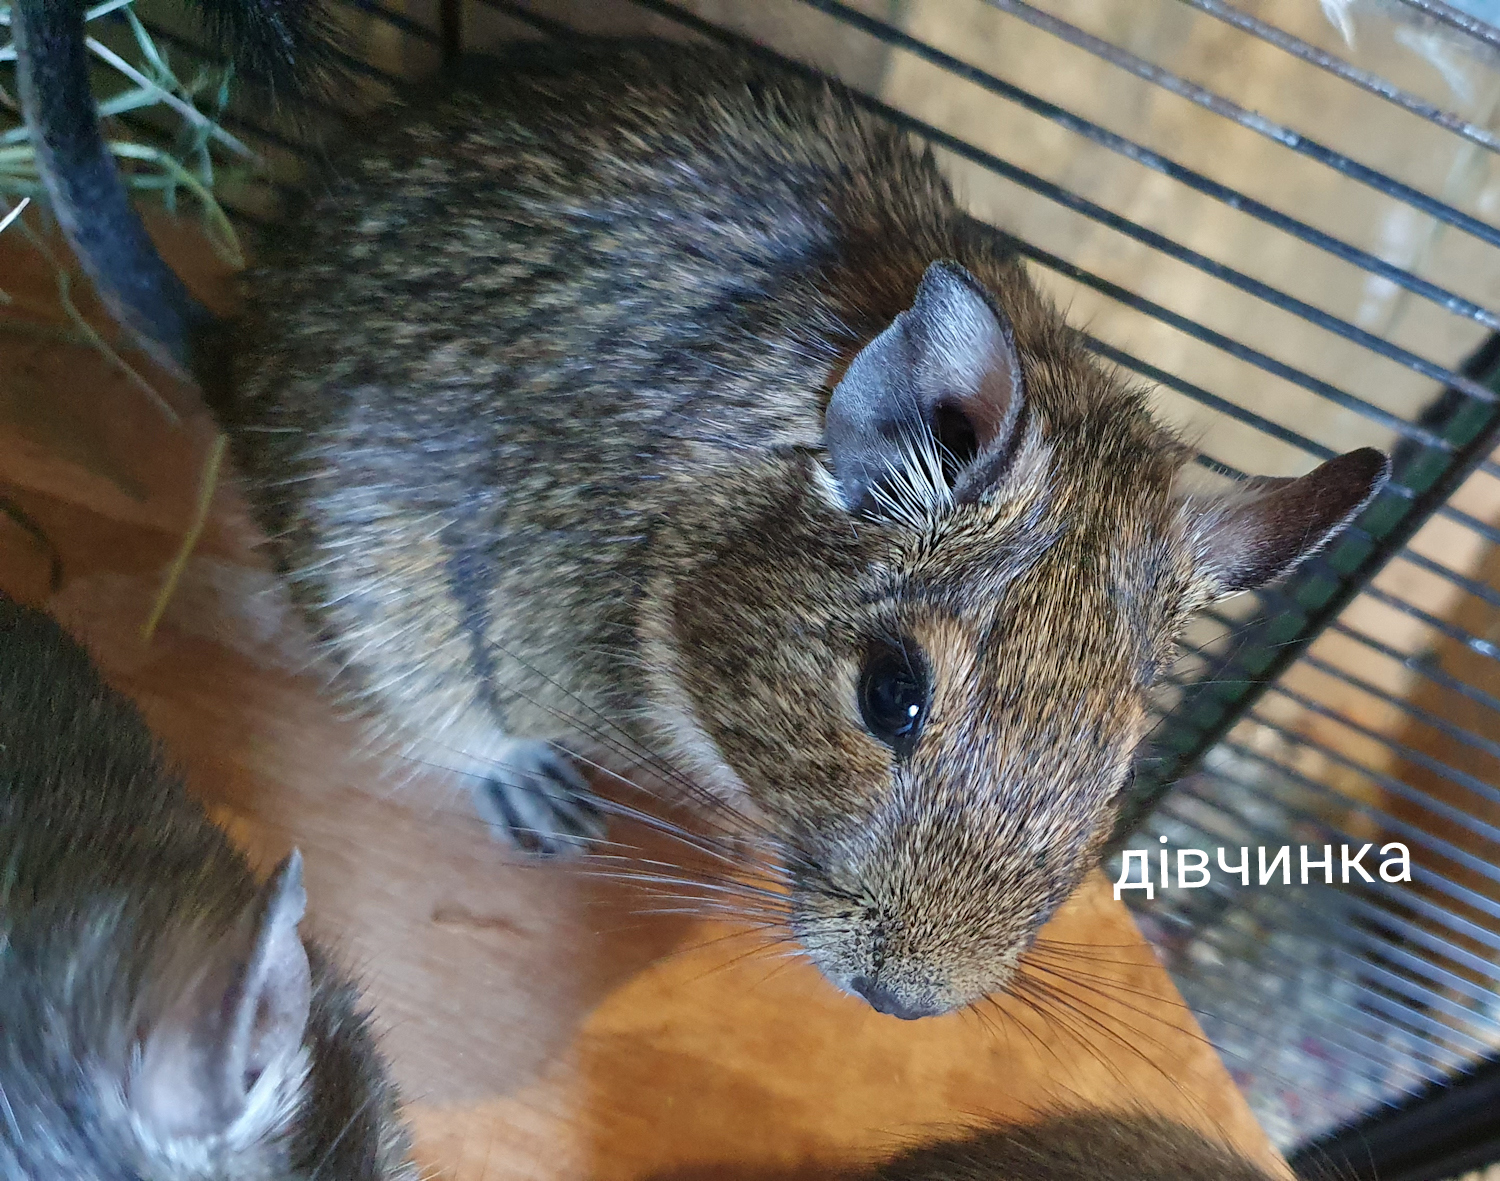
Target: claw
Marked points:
540	803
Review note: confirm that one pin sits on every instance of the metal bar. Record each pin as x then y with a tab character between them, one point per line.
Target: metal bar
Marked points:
397	20
1217	705
353	64
1438	1015
1422	666
542	24
1449	920
1479	590
1269	595
1484	529
1390	939
451	30
1086	208
1475	644
1196	392
1422	998
1349	1035
1411	832
1456	18
1471	783
1028	180
1285	302
1433	1062
1439	808
1348	804
148	129
1274	600
1463	1044
1276	132
1364	79
1266	426
1449	1130
1448	978
241	122
1415	933
1262	361
1431	566
1441	1060
1411	710
1223	405
1119	144
1400	982
1444	918
1350	402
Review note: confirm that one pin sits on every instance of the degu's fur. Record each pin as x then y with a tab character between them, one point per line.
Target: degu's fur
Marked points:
647	396
1080	1146
160	1017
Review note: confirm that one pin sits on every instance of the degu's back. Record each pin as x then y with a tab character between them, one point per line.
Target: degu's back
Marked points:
160	1016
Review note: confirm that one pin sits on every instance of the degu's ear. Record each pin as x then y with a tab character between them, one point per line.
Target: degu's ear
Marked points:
241	1013
942	383
1262	529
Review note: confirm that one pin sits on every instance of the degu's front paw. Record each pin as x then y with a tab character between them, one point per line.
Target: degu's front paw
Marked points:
535	799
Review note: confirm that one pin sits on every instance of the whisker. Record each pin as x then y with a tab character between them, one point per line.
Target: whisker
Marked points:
344	1131
731	963
1111	994
1059	1015
661	879
729	886
658	824
627	743
1021	997
1076	1017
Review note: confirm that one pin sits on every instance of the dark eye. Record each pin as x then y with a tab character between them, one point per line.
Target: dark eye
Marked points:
893	694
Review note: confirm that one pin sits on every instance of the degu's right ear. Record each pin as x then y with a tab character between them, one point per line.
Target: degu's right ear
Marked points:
241	1015
1263	528
920	405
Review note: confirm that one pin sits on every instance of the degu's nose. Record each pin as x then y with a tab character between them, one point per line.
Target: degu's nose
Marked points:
886	1000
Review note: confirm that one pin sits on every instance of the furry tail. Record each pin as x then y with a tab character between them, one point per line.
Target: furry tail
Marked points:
88	197
285	46
288	47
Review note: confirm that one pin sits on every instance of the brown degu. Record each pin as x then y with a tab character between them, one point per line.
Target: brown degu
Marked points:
1082	1146
647	405
160	1017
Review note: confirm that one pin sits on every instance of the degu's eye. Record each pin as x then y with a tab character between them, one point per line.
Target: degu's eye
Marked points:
893	691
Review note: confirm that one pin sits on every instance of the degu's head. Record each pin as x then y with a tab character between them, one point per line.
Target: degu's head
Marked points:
922	659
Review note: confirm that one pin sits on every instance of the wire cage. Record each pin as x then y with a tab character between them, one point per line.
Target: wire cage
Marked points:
1282	215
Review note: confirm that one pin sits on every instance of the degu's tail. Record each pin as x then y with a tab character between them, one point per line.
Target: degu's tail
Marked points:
280	45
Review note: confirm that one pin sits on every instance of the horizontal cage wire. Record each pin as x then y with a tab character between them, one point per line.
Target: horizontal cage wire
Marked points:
1281	216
